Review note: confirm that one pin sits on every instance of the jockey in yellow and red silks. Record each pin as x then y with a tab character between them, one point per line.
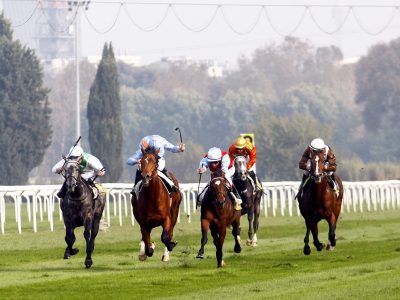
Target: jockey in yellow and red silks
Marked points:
244	147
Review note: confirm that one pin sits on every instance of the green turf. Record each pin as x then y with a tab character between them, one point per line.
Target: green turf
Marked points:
364	265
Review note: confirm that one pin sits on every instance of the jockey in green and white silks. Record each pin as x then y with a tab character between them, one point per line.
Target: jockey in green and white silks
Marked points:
90	166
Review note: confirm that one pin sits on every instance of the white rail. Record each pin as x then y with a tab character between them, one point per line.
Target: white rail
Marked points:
40	201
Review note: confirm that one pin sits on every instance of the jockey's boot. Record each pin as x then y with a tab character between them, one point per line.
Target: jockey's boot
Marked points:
238	201
299	193
173	187
332	182
63	191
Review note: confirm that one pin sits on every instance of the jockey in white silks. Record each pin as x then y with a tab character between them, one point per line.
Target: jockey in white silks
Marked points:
218	160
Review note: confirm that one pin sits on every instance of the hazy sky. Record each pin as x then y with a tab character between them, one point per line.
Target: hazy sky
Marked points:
212	29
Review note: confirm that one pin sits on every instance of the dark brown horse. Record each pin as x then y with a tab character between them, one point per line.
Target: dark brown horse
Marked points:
320	202
155	206
217	212
251	200
80	209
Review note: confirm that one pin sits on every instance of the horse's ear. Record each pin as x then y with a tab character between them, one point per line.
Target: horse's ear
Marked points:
156	152
143	151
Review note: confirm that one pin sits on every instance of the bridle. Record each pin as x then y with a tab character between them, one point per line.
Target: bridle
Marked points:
240	167
148	175
315	173
217	193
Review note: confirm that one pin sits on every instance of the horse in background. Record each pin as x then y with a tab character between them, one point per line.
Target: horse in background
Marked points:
320	201
80	209
154	207
217	212
251	199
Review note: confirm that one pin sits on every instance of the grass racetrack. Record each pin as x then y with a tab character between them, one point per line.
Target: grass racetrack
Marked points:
364	265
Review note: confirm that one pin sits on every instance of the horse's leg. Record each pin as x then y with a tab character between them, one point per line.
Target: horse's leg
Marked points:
250	217
314	231
307	249
219	238
166	235
87	234
149	249
205	225
331	235
70	240
257	208
236	234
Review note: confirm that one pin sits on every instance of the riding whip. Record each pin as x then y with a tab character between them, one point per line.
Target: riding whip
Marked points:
180	134
76	143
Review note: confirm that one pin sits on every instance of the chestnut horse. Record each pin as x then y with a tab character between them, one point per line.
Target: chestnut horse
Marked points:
217	212
154	207
80	209
320	201
251	200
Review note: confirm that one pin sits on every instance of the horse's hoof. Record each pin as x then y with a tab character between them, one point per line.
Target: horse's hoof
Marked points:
165	258
237	248
88	263
320	247
329	247
67	255
221	264
171	245
74	251
201	256
307	250
142	257
249	243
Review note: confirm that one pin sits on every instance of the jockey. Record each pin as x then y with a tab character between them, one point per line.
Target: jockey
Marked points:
150	144
218	160
90	167
244	147
318	145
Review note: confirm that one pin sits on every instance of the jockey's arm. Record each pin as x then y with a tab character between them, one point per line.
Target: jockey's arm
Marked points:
58	167
303	163
330	164
252	158
134	159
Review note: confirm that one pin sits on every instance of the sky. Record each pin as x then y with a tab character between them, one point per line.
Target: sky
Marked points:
204	30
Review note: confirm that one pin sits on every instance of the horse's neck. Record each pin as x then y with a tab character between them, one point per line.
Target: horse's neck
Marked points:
81	190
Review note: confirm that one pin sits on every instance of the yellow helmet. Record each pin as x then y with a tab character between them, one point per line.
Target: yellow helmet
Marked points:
240	143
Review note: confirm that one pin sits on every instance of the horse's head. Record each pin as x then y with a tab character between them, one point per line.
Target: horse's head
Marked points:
317	165
217	191
241	167
148	166
72	173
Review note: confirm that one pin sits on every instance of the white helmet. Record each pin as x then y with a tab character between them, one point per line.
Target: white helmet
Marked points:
75	151
214	154
317	144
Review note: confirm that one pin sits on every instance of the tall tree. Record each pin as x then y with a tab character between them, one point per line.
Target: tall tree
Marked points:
25	130
104	115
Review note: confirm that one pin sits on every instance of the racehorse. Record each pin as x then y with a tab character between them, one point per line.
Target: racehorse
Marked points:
217	212
80	209
155	207
251	200
320	201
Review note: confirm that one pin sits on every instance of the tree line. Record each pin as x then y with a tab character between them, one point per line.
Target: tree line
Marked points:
285	93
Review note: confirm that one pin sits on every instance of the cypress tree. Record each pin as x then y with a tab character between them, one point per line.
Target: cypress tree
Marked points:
25	130
104	116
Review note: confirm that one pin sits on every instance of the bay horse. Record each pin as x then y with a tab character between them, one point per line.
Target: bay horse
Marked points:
155	207
80	209
251	199
218	212
320	201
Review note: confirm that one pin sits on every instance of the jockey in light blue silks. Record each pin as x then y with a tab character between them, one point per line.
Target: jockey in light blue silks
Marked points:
150	144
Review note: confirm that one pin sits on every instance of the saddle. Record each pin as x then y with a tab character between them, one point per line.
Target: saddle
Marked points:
167	182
